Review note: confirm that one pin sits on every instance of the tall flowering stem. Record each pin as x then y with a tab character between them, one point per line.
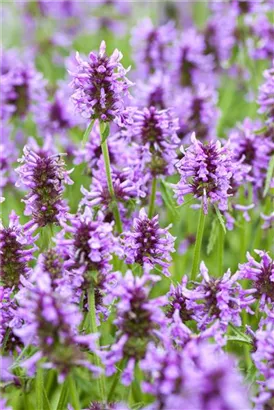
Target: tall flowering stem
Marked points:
152	198
39	385
221	238
73	393
115	208
93	328
198	244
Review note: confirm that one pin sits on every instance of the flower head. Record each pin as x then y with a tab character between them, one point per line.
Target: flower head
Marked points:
266	95
100	86
206	172
147	243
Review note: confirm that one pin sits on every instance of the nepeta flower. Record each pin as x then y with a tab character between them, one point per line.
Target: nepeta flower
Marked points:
51	324
198	377
147	243
220	298
197	113
154	132
191	65
100	86
8	308
266	95
44	174
139	320
156	92
17	248
261	275
206	172
23	89
152	46
181	301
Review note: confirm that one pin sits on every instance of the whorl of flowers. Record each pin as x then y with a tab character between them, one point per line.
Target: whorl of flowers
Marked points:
197	377
181	301
191	65
100	86
266	95
51	323
155	131
147	243
261	276
139	320
8	155
22	89
206	171
44	175
155	92
263	35
152	46
197	113
16	249
8	307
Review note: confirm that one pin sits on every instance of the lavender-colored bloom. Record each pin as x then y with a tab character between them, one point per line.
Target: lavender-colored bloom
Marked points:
268	221
3	404
197	378
181	301
44	174
254	150
8	155
139	320
197	113
22	89
220	298
100	86
147	243
8	307
262	45
154	132
206	172
17	248
266	95
190	65
152	46
51	323
155	92
261	275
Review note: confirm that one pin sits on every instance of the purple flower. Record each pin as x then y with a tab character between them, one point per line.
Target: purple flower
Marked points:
8	155
154	132
152	46
17	248
22	88
156	92
220	298
268	221
181	301
8	307
198	377
206	172
51	324
190	65
147	243
100	86
263	31
254	150
261	277
44	174
139	320
197	113
266	95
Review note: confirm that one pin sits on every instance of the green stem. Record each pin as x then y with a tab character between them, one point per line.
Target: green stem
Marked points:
93	327
152	198
115	208
73	392
198	244
221	250
87	132
39	386
63	399
116	379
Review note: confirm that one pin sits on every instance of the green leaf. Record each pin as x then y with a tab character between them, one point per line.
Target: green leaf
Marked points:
212	237
87	132
220	218
239	339
269	176
261	130
168	198
239	335
104	129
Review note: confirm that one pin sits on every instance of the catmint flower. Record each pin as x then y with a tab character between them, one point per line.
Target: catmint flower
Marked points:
152	46
8	308
197	113
16	249
206	172
261	277
44	175
154	131
22	88
266	92
139	320
147	243
198	377
155	92
51	323
100	86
